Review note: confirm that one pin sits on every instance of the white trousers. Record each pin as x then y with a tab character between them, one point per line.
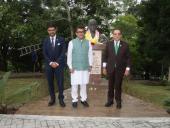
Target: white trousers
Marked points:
80	77
83	92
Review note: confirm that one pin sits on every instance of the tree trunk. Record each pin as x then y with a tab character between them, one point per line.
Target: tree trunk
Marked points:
169	75
4	54
69	20
3	64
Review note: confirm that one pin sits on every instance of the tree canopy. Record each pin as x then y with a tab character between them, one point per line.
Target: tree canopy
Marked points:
145	26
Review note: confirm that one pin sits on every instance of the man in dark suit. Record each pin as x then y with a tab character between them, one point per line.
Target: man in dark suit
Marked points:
54	54
116	65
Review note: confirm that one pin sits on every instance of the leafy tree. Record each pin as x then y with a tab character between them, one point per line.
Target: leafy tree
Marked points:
128	25
154	38
22	24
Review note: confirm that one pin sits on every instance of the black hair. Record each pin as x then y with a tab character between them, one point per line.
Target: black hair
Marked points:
117	29
80	27
51	25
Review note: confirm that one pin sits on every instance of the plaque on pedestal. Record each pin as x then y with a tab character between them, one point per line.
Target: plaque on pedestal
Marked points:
96	68
96	72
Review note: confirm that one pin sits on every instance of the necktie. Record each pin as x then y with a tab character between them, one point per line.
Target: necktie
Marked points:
52	41
116	47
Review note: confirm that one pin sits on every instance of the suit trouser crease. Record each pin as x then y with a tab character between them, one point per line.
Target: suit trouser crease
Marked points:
115	86
58	74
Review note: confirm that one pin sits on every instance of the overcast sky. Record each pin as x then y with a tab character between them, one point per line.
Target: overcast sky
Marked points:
139	1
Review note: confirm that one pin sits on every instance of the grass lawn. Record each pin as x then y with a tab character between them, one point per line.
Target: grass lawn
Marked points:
22	90
17	90
153	92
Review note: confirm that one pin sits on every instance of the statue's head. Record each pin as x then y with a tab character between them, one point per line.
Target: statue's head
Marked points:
92	25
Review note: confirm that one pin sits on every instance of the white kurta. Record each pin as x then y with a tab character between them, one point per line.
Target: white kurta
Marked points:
79	77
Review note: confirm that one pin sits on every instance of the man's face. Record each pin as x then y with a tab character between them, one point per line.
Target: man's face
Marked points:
80	33
117	35
52	31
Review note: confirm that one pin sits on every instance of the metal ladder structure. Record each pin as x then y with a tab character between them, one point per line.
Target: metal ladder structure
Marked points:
28	49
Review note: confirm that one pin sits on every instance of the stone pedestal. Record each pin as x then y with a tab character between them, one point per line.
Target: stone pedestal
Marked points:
96	73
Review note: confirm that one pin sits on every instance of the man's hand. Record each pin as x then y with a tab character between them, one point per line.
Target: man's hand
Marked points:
104	71
57	64
71	70
127	72
54	65
90	68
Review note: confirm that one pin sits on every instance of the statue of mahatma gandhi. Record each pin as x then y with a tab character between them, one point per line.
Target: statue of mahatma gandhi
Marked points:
93	35
97	40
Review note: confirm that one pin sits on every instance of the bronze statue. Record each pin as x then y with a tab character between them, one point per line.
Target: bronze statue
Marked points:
93	35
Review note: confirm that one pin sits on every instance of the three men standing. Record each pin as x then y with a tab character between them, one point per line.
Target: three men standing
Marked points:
79	61
54	54
116	65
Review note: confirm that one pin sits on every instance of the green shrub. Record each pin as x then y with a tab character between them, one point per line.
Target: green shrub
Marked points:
167	102
3	83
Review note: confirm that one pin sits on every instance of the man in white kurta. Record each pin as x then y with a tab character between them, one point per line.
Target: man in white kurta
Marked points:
79	61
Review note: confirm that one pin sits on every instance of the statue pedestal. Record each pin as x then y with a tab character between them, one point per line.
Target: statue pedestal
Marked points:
96	73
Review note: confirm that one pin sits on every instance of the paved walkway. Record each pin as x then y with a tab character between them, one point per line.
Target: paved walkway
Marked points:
30	121
132	107
134	114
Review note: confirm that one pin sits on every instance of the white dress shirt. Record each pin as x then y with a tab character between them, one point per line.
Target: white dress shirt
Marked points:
54	40
79	77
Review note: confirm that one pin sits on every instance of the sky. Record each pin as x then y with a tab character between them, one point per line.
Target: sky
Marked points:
139	1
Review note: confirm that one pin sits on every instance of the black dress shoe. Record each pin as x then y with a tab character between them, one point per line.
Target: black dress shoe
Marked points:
119	106
51	102
74	104
84	103
109	104
62	104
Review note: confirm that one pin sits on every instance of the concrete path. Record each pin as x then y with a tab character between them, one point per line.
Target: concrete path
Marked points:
132	107
32	121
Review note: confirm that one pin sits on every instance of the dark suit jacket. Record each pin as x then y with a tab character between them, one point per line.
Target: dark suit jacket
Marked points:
122	59
56	54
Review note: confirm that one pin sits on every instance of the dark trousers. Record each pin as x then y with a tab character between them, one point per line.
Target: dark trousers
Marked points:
57	73
115	86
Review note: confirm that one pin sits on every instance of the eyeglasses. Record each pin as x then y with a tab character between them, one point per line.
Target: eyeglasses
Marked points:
51	30
80	32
